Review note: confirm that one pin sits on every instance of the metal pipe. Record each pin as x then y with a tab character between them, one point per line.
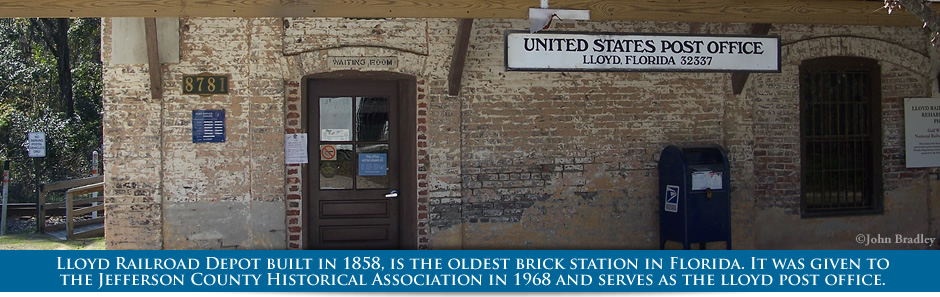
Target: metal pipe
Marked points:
6	183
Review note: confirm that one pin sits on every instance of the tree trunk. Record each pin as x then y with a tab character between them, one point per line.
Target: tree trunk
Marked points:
55	35
64	66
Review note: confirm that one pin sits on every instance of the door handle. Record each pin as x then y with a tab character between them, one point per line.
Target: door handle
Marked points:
393	194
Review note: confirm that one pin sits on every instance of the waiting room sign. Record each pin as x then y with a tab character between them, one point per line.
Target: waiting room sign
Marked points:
561	51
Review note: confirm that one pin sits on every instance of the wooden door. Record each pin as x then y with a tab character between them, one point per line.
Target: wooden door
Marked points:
353	175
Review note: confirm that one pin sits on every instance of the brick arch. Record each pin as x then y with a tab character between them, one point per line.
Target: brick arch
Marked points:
795	52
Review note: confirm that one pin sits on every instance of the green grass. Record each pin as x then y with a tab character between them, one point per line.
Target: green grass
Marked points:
45	242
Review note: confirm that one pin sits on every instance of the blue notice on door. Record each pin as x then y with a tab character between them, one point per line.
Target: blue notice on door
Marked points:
373	164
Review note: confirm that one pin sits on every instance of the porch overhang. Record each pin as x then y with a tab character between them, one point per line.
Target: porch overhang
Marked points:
844	12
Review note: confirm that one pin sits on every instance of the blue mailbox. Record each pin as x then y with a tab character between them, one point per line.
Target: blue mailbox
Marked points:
694	195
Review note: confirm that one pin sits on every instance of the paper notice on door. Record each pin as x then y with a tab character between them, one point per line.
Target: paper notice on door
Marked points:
295	148
702	180
335	135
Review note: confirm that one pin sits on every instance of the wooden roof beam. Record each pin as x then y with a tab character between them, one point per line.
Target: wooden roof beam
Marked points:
459	58
739	79
849	12
153	59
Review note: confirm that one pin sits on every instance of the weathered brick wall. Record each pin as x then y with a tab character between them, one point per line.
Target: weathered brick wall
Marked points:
132	156
202	195
517	160
905	72
568	160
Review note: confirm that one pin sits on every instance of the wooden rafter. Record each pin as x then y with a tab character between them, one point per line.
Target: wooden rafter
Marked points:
853	12
464	26
153	58
739	79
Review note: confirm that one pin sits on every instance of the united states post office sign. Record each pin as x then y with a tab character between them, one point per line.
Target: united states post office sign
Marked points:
561	51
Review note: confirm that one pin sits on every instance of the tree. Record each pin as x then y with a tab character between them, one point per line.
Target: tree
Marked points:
31	99
921	9
54	34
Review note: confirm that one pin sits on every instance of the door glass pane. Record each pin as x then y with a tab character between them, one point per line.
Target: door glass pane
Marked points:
336	118
371	119
336	170
373	166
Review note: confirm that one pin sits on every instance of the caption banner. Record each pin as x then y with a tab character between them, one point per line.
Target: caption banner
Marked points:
470	271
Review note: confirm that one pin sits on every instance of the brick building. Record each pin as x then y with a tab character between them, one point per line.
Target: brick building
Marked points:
508	160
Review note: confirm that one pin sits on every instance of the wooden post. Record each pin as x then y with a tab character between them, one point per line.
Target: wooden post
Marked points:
69	220
40	210
40	202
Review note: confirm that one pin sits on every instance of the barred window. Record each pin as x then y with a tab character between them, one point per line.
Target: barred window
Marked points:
840	141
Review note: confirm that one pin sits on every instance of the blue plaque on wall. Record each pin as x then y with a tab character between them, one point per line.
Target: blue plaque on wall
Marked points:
208	126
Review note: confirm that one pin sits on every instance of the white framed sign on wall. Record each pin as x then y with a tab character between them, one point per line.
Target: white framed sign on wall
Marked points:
922	132
565	51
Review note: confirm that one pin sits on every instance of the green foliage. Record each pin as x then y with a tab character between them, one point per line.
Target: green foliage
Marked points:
45	242
29	101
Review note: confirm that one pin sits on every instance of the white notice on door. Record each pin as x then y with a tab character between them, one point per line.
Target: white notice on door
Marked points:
702	180
295	148
335	135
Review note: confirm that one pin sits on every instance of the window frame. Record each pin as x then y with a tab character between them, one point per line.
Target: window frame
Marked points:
847	64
